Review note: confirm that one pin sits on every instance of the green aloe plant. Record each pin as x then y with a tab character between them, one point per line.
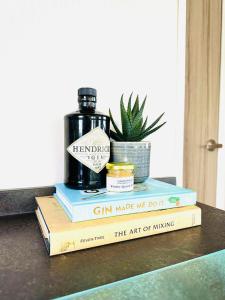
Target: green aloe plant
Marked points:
134	128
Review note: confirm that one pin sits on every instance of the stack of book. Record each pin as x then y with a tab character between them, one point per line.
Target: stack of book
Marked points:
73	219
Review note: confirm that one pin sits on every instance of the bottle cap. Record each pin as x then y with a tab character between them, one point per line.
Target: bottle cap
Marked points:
87	92
119	166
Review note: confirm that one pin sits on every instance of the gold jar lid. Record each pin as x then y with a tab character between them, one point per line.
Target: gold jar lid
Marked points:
119	166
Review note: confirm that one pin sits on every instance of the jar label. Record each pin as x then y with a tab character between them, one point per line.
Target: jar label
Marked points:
92	149
120	184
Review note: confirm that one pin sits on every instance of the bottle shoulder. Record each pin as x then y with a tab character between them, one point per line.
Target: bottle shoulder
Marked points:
80	115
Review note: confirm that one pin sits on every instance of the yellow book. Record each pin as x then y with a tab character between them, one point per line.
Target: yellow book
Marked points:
61	235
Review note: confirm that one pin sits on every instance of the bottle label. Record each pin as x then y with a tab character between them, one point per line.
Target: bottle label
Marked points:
92	149
120	184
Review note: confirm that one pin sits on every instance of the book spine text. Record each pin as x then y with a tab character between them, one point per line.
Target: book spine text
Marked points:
61	242
123	207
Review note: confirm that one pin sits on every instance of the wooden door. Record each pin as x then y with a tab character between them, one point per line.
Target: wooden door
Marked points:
202	88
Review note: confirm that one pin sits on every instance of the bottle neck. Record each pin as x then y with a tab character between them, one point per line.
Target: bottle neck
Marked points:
87	103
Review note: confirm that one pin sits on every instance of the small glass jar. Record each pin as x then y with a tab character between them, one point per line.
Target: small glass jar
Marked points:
120	177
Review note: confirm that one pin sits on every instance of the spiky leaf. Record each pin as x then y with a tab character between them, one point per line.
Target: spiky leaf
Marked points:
138	120
143	135
126	126
129	110
154	123
144	125
135	108
156	128
115	136
119	133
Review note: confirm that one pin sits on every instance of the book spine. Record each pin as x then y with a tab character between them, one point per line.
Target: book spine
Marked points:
125	207
112	232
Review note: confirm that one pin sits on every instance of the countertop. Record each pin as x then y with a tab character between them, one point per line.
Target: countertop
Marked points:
27	272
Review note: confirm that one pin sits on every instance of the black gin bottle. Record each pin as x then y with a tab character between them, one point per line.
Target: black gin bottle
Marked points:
87	145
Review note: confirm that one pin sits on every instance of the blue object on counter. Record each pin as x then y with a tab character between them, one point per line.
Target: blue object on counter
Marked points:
199	278
80	205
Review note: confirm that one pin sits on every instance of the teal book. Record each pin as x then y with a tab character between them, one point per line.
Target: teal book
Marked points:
83	205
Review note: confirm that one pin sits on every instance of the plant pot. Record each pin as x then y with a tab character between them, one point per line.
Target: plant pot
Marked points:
137	153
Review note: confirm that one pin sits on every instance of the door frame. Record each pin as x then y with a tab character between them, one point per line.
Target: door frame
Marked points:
220	193
180	90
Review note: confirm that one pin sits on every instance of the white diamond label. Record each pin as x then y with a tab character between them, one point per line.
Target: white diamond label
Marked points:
92	149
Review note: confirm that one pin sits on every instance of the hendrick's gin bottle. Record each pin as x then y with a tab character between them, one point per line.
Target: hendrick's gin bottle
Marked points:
87	145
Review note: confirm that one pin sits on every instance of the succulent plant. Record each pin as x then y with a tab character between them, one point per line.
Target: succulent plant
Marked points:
134	128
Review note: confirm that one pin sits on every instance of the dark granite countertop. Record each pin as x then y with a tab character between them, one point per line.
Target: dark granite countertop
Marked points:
27	272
